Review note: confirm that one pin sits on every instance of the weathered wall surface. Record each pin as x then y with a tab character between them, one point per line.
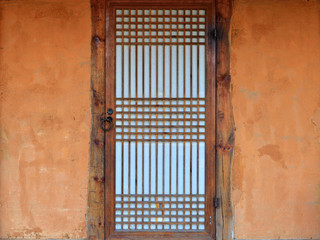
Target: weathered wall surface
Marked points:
275	57
45	118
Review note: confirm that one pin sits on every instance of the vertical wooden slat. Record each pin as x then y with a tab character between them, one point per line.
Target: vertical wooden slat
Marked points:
143	115
170	71
143	174
130	103
150	89
95	212
149	95
150	65
177	143
136	71
198	96
129	167
122	89
156	168
136	144
210	122
129	115
163	96
143	71
191	71
184	120
170	96
191	96
177	167
142	161
157	122
184	108
177	71
225	124
110	136
149	222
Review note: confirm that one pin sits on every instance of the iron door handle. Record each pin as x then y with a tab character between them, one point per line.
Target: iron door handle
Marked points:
102	123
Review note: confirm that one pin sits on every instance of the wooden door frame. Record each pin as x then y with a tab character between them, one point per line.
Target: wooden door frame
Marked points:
224	123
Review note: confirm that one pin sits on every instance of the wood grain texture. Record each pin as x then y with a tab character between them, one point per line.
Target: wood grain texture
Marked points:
225	124
210	122
95	211
109	160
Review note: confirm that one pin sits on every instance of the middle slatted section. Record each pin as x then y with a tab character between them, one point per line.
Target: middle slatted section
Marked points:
156	119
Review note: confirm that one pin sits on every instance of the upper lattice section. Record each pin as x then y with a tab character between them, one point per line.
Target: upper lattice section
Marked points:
160	26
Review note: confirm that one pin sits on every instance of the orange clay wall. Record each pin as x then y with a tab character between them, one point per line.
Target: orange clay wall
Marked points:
275	69
45	118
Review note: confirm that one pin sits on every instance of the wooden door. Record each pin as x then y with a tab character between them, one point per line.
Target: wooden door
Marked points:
160	153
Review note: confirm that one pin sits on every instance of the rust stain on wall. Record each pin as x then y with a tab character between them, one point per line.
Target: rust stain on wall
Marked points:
273	151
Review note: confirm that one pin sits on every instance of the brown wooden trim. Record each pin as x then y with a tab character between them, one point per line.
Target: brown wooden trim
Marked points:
95	211
157	3
161	235
224	124
210	123
109	159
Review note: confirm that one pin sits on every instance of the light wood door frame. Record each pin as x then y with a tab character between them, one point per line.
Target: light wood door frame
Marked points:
99	227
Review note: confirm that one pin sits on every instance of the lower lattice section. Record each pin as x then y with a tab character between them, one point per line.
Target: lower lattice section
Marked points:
160	212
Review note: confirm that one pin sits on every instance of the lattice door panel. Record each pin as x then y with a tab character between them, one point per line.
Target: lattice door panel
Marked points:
160	126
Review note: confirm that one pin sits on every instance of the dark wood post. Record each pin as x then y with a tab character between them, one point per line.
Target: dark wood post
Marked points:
95	211
225	124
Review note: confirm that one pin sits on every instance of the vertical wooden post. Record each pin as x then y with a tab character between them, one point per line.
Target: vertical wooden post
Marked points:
95	211
225	124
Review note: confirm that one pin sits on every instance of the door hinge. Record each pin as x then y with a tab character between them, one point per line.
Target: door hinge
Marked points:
215	33
216	202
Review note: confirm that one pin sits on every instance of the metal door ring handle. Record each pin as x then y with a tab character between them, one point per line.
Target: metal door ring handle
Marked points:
109	120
